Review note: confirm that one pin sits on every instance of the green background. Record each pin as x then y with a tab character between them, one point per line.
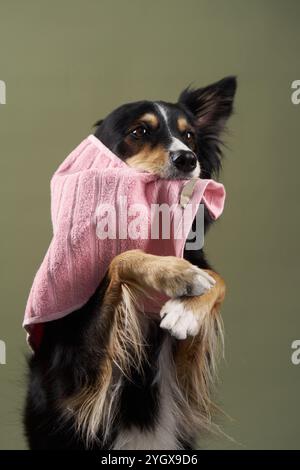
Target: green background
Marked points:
68	63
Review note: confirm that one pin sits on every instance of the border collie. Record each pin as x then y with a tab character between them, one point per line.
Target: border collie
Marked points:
98	382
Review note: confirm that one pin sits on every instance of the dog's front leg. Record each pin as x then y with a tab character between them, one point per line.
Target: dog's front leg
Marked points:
196	322
169	275
184	316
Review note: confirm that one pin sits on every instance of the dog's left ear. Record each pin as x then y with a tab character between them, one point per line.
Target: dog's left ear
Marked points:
211	105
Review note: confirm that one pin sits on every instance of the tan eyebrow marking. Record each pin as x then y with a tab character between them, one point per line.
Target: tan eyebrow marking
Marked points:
182	124
150	119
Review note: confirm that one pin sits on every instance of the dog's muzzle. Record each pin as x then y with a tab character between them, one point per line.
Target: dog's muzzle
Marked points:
184	160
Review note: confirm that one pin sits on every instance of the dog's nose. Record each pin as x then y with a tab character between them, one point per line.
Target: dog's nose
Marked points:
184	160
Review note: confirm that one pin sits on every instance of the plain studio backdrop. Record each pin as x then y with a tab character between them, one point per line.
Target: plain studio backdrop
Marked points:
68	63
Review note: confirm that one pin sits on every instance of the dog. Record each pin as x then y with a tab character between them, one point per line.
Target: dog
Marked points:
100	382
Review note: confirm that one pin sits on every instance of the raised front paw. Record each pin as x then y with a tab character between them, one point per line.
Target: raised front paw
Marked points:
182	278
179	319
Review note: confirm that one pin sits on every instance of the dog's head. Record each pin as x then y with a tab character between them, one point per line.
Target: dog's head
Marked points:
179	140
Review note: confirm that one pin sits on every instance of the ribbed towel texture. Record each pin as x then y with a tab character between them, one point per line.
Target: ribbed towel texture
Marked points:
99	208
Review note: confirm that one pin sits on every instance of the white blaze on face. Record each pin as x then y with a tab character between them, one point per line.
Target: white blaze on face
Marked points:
164	113
176	144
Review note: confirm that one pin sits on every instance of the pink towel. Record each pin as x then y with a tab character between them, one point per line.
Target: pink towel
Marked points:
100	207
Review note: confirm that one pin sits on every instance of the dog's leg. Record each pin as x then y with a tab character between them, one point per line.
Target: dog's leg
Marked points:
131	272
198	325
195	292
184	316
123	331
137	272
169	275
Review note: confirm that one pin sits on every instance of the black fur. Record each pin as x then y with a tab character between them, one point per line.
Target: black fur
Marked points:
73	347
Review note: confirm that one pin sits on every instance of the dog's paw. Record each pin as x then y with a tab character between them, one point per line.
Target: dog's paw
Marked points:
185	279
179	320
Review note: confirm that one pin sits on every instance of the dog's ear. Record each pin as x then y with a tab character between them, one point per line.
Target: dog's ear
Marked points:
98	123
211	105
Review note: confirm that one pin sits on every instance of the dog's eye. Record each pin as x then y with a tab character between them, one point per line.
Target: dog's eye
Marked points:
189	135
139	132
